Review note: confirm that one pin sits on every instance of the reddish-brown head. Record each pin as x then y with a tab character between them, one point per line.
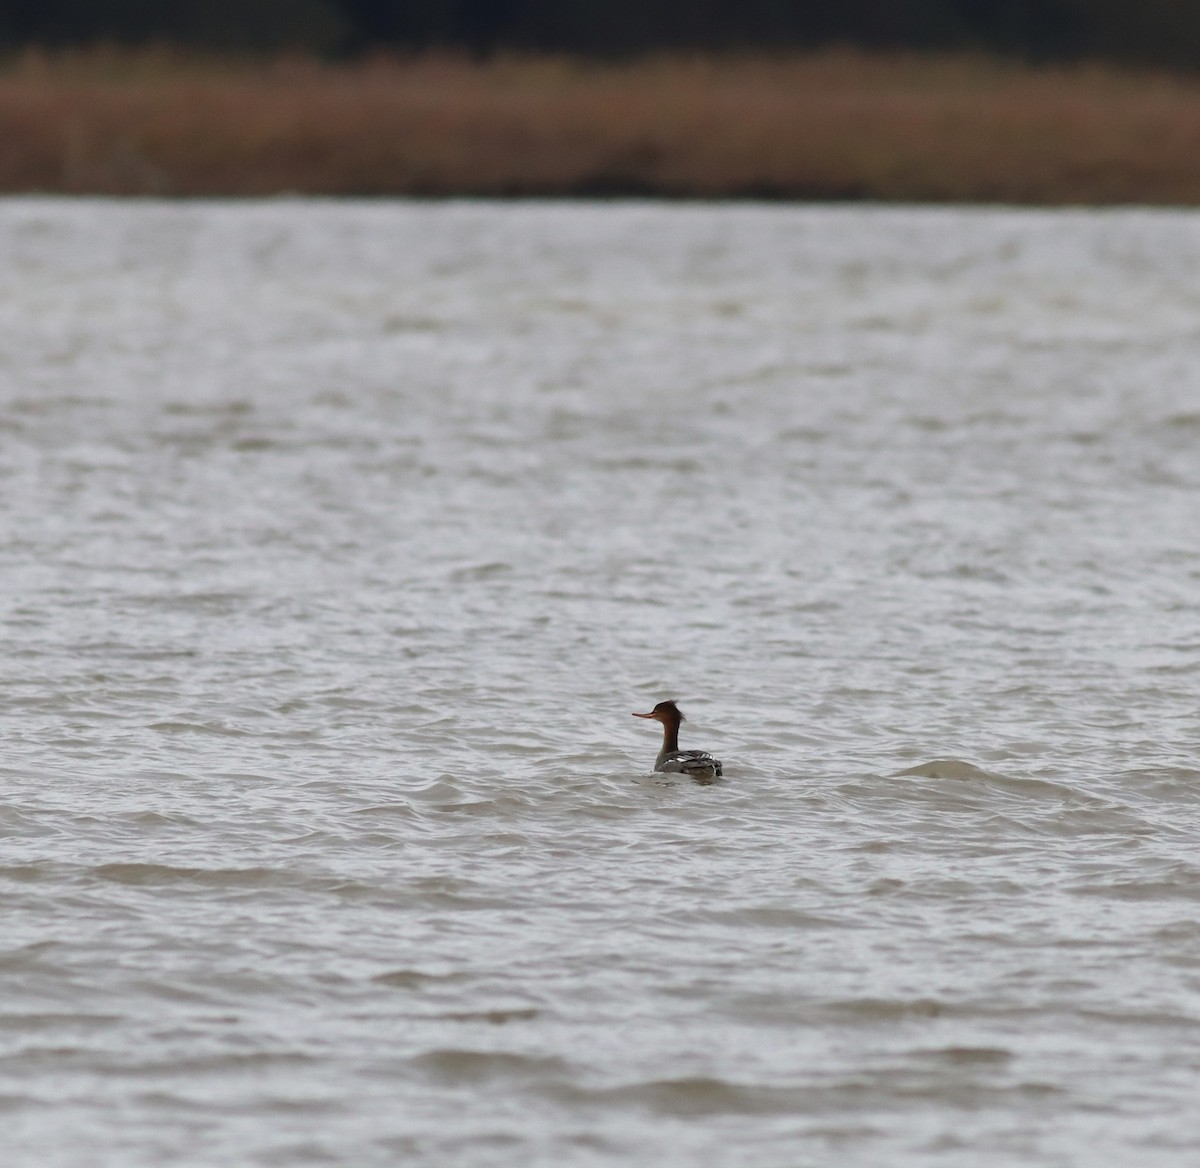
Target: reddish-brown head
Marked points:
665	712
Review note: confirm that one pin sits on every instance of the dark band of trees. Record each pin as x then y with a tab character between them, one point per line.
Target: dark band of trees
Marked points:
1155	32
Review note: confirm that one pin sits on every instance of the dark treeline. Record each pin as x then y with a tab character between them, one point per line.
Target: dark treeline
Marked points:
1157	32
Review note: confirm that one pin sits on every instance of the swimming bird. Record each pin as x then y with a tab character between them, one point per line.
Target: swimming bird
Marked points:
696	763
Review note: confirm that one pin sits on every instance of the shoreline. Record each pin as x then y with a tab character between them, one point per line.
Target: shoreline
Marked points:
833	127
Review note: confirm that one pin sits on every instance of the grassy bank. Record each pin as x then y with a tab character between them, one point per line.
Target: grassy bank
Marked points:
829	126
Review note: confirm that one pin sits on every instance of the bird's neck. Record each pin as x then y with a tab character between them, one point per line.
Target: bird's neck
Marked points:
670	737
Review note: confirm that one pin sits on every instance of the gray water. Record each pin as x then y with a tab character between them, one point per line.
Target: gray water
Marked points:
339	541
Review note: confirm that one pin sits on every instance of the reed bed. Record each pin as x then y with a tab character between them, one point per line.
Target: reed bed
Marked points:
836	125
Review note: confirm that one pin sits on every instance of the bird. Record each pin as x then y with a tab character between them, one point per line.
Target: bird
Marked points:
698	764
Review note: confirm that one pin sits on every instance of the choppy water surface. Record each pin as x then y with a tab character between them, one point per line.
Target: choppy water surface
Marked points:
339	542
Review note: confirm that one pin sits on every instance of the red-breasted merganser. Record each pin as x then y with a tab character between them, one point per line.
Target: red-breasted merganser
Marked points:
696	763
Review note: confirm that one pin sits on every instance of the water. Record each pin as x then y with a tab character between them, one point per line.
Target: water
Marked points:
339	542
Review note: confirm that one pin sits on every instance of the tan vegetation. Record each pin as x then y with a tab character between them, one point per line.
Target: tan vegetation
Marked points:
827	126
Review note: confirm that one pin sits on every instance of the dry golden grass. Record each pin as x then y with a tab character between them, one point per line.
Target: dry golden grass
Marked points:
827	126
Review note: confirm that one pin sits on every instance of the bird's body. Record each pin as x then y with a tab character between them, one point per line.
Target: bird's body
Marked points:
697	764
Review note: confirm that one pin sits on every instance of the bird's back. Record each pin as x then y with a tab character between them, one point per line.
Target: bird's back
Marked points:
697	763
